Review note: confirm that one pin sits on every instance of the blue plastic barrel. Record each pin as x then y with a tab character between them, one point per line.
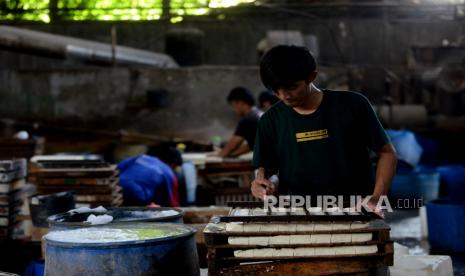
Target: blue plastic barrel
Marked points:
172	255
453	179
446	224
415	185
431	149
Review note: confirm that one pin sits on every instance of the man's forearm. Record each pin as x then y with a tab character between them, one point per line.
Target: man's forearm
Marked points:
243	148
385	170
233	143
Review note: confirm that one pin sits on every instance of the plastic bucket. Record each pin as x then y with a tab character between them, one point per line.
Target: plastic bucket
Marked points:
446	224
43	206
453	180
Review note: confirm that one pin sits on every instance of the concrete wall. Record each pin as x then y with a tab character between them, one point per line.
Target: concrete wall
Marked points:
113	99
383	39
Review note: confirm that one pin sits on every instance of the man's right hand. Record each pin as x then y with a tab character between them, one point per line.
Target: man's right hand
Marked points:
261	187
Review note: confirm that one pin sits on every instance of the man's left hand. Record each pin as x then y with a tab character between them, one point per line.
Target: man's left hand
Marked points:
371	206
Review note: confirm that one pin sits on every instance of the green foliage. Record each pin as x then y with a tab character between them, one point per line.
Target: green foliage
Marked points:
112	10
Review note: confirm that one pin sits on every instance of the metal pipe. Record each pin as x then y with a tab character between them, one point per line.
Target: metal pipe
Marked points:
58	46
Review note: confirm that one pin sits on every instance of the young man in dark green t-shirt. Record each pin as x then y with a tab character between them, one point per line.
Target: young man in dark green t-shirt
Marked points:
318	142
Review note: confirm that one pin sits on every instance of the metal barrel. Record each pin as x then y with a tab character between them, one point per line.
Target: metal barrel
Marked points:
171	255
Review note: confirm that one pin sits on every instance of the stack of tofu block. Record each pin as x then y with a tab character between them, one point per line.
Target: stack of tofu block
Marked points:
95	183
12	181
255	234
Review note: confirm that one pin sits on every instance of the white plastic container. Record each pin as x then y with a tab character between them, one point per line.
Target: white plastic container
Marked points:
427	265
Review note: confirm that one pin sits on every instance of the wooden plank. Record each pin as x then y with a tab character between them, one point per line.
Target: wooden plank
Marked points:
193	215
291	217
380	236
81	190
389	251
296	245
76	172
294	218
228	255
379	229
76	181
96	198
354	266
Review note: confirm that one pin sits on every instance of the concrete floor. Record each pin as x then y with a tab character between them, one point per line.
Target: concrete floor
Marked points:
406	230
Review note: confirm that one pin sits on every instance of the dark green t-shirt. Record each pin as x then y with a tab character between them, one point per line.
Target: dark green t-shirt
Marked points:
323	153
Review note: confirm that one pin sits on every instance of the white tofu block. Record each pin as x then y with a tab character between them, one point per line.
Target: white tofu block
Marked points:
362	237
323	226
300	239
298	211
325	251
283	252
279	212
351	211
238	240
241	212
3	221
215	227
259	241
304	252
344	250
341	226
234	227
358	225
263	252
269	227
251	227
280	240
314	210
320	238
366	249
259	212
287	227
307	227
244	253
339	238
334	211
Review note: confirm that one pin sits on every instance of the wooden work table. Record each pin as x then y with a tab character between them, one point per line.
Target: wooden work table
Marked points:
211	170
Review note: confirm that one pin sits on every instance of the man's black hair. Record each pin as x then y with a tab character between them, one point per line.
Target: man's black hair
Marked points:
284	65
167	154
267	96
241	94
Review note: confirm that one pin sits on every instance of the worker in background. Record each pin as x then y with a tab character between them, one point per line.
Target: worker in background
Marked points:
317	141
266	99
146	180
242	103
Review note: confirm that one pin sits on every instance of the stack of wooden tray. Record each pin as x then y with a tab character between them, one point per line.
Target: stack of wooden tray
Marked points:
16	148
251	240
95	182
12	181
